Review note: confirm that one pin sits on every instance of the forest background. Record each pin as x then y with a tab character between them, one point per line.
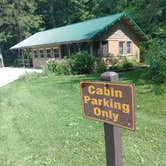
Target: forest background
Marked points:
21	18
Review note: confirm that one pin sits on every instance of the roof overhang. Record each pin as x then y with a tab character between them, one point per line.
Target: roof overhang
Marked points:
131	23
135	28
122	16
51	44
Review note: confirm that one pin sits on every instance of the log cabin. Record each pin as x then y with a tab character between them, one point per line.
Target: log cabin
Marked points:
117	35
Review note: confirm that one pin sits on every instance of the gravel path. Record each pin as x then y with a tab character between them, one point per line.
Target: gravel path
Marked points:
9	74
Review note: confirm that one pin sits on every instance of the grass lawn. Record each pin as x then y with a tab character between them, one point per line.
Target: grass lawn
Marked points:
41	124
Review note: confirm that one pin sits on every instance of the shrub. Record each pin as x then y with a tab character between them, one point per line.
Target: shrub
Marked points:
156	57
82	63
116	67
51	65
144	49
114	61
126	64
61	67
101	68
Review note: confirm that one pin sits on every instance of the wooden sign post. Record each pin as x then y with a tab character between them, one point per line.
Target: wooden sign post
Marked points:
112	133
114	104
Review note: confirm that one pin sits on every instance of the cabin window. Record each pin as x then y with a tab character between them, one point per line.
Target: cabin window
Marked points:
129	47
35	53
56	52
125	48
121	47
48	52
41	53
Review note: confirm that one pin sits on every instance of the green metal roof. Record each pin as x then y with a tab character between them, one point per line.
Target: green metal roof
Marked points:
82	31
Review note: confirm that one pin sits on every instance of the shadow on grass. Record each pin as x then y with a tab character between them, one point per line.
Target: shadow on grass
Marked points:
74	79
159	89
138	77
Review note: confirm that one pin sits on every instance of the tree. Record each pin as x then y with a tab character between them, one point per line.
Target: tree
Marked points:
156	57
55	13
17	21
21	18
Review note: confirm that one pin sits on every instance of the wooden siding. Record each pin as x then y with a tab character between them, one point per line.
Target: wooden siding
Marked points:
121	28
118	32
119	35
39	61
121	32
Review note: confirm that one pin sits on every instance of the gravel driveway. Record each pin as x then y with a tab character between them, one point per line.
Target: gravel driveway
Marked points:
9	74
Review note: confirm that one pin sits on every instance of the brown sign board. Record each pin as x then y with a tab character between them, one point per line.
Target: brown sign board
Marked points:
112	103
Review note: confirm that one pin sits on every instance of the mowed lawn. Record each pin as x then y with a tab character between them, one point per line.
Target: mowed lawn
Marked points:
41	124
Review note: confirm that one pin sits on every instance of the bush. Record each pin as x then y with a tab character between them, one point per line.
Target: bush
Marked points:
82	63
101	68
114	61
156	57
116	67
126	64
61	67
51	65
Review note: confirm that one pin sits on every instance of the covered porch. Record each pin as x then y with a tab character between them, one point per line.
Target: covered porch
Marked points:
95	48
39	56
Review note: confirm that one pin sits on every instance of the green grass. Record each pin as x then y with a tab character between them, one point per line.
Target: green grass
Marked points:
41	124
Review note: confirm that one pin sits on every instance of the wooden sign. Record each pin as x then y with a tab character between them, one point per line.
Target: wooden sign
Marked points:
113	103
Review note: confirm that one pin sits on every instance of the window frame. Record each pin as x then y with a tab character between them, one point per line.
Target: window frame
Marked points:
129	53
56	55
35	55
50	54
41	54
125	48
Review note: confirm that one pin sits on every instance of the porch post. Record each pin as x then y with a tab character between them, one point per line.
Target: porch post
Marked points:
101	51
22	56
69	50
60	52
91	48
79	48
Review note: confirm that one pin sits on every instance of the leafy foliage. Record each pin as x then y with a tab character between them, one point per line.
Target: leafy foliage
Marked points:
17	21
157	60
20	19
126	64
101	68
79	63
51	65
82	63
61	67
123	66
